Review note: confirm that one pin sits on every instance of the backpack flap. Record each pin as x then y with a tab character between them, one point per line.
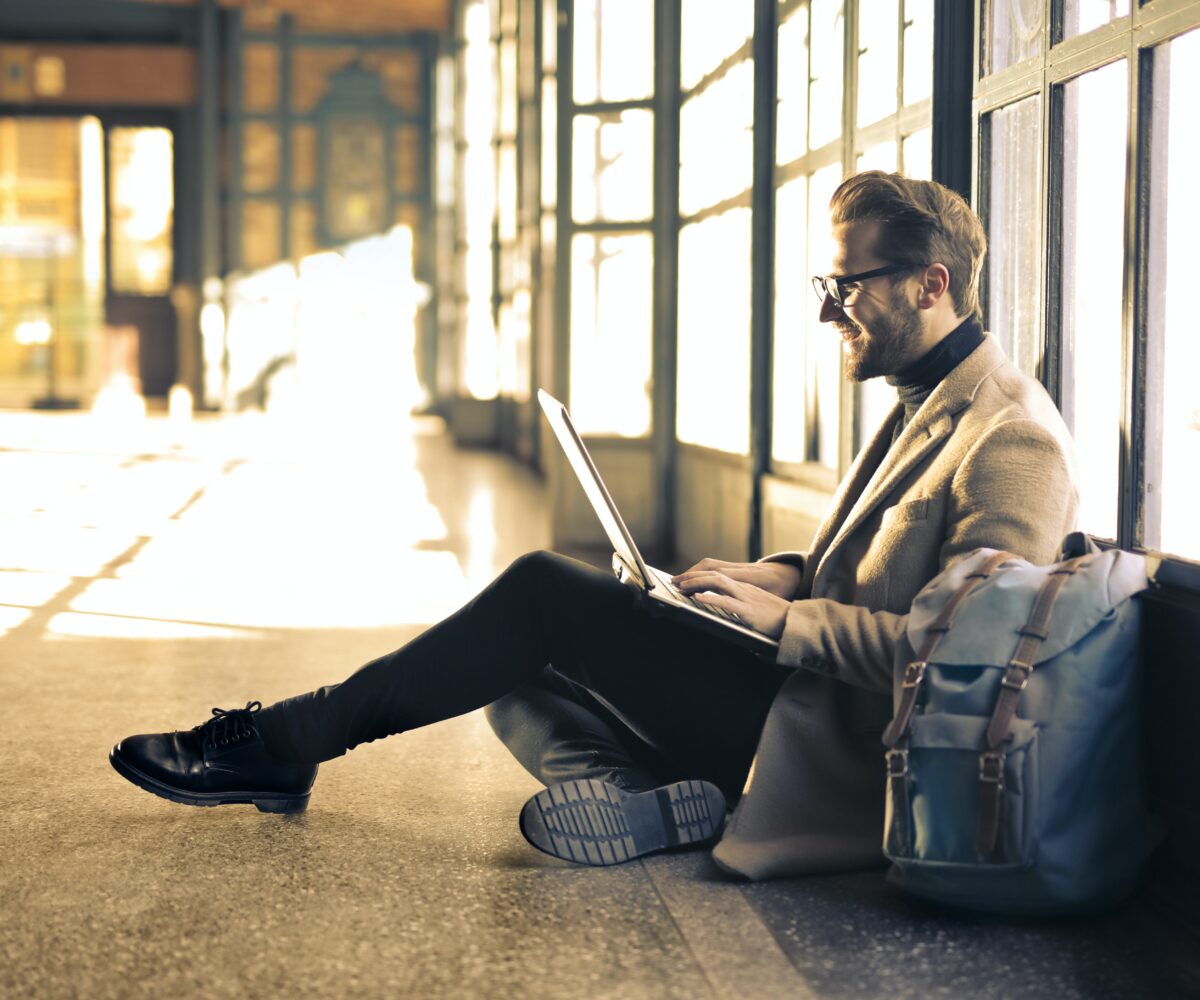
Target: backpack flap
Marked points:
985	628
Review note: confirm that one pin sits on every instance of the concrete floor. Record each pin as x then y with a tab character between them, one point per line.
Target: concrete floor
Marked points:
149	572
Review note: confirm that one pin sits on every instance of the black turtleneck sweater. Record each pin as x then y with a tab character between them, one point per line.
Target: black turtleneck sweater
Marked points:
915	383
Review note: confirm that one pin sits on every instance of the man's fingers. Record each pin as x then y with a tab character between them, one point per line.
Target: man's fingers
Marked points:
705	565
713	599
719	582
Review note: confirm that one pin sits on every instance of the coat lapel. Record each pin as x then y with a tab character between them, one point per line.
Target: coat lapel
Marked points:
852	486
884	467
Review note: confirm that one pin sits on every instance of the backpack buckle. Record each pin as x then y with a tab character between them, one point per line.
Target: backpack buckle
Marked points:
914	673
1016	677
897	763
991	767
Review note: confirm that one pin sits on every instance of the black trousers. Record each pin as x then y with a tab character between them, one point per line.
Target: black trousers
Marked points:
578	681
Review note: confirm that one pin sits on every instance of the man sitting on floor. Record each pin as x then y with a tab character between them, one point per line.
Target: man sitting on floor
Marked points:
643	728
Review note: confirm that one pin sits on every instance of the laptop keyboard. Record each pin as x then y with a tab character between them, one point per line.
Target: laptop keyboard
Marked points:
711	609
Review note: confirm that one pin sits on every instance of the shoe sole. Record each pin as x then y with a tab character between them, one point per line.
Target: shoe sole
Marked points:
271	803
592	822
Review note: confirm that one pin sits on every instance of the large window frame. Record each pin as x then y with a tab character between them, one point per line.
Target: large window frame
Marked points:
1132	38
856	420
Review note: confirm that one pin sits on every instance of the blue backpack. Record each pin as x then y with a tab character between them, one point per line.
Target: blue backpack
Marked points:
1014	760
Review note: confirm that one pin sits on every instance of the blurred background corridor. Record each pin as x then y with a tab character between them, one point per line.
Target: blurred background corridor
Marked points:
279	280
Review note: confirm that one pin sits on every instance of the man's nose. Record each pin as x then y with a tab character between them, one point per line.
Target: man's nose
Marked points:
830	310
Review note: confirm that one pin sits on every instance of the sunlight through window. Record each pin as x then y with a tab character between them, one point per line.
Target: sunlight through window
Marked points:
1093	249
1173	406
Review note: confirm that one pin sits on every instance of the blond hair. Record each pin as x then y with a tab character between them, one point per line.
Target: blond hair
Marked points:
921	223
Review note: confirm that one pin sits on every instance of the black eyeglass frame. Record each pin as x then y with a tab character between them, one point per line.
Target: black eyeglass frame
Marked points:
831	284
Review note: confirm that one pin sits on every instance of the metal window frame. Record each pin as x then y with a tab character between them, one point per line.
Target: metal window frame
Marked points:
566	227
951	147
1132	38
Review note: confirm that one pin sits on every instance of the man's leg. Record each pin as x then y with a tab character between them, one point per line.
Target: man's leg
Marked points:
559	731
697	701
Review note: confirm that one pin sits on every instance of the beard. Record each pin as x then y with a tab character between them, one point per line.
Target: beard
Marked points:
890	345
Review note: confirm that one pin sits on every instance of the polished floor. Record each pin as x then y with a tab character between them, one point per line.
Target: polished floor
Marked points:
151	570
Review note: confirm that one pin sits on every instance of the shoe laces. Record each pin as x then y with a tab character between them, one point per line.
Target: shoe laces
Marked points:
229	725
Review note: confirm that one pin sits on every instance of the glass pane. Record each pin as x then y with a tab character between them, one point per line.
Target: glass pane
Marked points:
1014	212
478	356
711	32
918	50
142	207
611	315
878	60
260	157
613	50
1172	403
1081	16
1013	32
1093	262
793	299
716	144
260	77
918	155
613	166
507	65
549	142
714	332
506	182
304	157
825	88
549	35
881	157
823	350
791	116
52	227
262	234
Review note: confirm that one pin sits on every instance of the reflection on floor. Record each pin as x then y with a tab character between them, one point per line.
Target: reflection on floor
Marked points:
150	571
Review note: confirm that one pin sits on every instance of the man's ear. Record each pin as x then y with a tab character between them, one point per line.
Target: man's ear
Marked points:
935	282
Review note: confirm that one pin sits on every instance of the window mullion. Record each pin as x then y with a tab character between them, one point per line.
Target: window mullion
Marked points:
849	432
1130	510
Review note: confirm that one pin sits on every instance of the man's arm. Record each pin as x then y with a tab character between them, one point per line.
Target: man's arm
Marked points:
1014	491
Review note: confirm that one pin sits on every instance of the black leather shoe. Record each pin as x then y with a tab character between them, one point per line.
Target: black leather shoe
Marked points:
593	822
221	761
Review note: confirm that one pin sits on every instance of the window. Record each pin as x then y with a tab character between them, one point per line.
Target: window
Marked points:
1012	211
1172	475
1088	263
1013	31
1092	264
141	196
611	246
892	108
479	349
716	152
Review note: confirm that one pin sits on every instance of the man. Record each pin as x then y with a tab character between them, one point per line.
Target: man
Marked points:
642	728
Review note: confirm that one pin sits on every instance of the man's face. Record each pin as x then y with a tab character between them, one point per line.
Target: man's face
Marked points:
878	320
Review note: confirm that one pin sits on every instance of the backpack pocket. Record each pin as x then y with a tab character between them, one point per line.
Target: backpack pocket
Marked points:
936	794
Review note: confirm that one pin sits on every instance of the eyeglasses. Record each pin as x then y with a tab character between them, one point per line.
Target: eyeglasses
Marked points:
833	284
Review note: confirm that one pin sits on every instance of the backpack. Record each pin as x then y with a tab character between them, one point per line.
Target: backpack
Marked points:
1014	760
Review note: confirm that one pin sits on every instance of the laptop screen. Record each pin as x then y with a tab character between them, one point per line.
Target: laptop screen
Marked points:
593	485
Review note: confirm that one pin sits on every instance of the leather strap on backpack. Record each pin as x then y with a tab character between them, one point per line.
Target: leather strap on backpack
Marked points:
914	674
991	762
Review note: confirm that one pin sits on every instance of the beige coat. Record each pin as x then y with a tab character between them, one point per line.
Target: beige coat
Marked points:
986	461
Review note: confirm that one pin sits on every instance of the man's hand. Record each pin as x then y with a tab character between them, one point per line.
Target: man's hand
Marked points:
758	608
778	578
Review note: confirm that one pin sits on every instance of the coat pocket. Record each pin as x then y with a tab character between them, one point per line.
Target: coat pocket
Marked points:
902	513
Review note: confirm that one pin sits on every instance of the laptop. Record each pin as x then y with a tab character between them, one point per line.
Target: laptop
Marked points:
661	596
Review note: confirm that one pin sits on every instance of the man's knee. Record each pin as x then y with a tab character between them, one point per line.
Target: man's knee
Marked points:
536	565
507	716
